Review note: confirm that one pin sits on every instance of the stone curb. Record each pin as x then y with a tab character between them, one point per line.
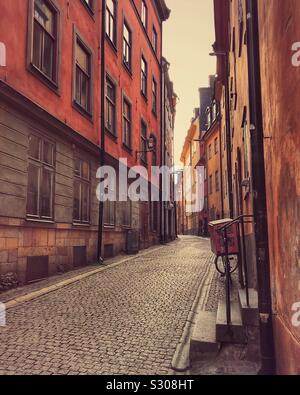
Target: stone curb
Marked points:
180	362
44	291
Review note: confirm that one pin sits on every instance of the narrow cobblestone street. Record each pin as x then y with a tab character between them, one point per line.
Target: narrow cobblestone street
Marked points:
127	319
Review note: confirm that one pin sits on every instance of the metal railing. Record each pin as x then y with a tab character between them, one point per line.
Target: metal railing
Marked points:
241	221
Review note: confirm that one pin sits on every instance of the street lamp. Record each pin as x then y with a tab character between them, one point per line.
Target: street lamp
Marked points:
150	145
218	53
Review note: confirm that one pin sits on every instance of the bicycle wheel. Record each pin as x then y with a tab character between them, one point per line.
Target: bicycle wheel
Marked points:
220	262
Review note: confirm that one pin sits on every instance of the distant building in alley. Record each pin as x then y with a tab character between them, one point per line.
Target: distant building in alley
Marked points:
168	220
190	157
205	95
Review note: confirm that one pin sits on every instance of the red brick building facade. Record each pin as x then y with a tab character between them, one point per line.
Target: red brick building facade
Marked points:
54	84
254	39
133	78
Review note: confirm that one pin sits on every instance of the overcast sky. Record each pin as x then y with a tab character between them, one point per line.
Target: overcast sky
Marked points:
188	37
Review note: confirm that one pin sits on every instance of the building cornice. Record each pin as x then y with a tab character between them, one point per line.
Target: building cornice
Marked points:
163	11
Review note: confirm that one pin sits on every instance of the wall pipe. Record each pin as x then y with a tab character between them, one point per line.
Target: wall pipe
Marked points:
100	258
259	192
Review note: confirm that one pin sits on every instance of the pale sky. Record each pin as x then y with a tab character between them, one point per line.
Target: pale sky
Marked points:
188	37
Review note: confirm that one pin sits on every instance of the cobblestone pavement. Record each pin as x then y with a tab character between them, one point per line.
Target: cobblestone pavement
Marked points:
125	320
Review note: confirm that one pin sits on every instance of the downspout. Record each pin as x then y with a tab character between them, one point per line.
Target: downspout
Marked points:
165	203
221	169
259	193
228	137
100	258
162	112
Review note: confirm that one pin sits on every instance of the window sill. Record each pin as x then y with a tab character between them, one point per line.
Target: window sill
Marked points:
112	45
79	224
112	135
144	97
111	227
88	115
154	113
128	149
128	70
44	78
89	9
39	221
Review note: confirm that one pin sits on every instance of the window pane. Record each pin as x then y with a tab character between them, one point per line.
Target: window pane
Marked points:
112	213
32	194
144	14
78	85
34	147
111	6
110	91
44	15
37	45
109	213
82	58
85	203
46	194
84	92
76	203
48	56
85	170
48	153
77	167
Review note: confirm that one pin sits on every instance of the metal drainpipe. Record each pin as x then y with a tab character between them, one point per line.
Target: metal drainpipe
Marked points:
228	137
100	259
162	115
259	192
221	168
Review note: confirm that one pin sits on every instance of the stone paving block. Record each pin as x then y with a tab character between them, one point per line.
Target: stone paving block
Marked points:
127	319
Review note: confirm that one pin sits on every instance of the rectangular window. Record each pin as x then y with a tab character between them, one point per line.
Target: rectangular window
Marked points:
111	16
143	142
217	181
109	213
127	46
154	39
216	145
40	179
126	213
83	80
209	152
89	4
110	107
210	184
81	193
154	96
127	123
144	14
144	76
44	45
